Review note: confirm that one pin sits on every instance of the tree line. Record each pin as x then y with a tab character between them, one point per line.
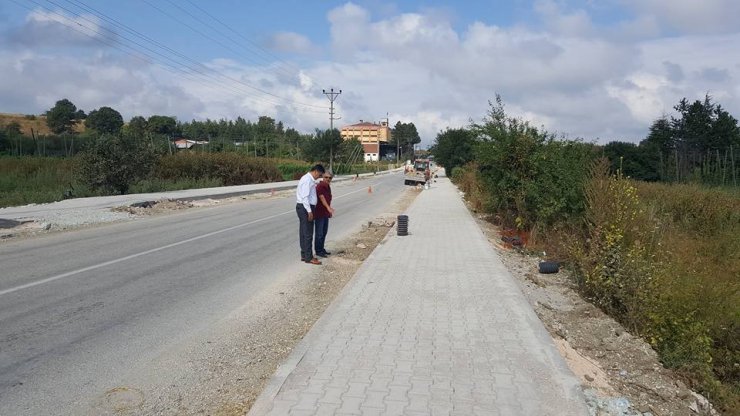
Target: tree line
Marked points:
111	155
266	137
700	143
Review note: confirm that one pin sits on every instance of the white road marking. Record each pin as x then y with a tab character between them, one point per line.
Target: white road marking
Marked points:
154	250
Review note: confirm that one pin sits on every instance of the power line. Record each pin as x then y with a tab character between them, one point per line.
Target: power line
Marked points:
226	46
251	42
210	37
114	42
202	69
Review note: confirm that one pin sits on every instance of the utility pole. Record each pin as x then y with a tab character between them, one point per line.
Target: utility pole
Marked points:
332	96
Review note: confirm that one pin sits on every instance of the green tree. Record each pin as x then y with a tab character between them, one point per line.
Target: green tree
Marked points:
61	118
533	179
163	125
405	136
137	126
104	120
266	134
11	137
454	147
631	160
724	132
692	130
114	162
319	146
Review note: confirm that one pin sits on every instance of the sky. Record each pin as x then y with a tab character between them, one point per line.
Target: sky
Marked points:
596	70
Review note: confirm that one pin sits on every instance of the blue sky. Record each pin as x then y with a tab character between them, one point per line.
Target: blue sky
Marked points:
597	70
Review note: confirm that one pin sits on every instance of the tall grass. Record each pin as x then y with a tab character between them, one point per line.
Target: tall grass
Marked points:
229	168
665	261
26	180
662	259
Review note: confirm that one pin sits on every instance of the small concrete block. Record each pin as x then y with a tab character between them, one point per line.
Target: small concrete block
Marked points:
351	405
356	390
307	401
394	407
332	395
375	399
398	393
326	409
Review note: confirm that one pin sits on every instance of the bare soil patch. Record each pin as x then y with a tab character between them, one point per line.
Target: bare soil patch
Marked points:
621	374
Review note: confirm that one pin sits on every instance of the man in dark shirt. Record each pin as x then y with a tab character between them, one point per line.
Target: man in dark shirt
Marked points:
323	212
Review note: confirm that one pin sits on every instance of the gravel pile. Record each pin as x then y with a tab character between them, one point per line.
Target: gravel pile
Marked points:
61	220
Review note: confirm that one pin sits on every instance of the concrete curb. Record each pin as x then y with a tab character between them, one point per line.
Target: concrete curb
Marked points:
38	210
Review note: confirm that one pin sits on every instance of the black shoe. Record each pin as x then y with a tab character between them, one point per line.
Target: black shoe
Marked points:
322	254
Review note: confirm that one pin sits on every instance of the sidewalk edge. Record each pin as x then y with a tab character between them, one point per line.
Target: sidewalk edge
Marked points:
264	401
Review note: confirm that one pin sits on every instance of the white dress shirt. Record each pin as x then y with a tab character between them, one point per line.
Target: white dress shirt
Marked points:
306	191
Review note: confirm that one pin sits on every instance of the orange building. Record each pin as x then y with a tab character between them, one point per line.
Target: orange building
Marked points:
371	135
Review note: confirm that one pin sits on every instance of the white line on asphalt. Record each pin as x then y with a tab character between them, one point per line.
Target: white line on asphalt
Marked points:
154	250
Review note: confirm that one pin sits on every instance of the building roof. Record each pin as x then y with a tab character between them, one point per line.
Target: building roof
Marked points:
363	125
187	143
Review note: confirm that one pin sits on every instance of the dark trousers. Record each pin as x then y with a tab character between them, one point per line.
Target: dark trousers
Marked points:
305	232
321	228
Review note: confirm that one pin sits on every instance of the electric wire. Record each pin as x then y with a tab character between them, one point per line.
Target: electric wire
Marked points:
220	43
258	51
114	42
139	34
251	42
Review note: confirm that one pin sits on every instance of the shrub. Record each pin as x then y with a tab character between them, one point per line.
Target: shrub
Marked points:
114	163
533	179
26	179
457	174
229	168
469	181
664	261
618	266
290	170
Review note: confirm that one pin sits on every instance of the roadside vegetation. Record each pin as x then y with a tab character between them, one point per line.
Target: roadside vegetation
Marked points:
662	257
67	153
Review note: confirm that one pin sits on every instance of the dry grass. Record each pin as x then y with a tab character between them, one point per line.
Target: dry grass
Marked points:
664	260
37	123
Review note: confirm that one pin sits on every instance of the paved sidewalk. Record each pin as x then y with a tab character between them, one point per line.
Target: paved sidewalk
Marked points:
431	324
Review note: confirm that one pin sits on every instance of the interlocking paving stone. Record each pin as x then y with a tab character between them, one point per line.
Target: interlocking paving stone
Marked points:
432	323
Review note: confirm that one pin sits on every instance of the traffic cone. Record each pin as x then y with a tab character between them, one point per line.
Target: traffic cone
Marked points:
369	189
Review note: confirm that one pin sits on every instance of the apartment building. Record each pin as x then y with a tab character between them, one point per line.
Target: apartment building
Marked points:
374	137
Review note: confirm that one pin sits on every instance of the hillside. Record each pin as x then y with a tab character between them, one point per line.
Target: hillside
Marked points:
35	122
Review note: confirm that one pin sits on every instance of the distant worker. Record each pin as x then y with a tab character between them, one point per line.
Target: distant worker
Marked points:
323	212
305	205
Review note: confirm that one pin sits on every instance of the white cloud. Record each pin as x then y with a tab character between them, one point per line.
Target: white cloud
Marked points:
45	28
692	16
291	42
574	76
577	23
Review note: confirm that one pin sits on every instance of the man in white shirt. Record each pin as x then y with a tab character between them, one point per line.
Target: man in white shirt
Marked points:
305	204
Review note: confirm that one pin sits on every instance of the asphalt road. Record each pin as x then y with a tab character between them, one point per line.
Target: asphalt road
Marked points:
81	310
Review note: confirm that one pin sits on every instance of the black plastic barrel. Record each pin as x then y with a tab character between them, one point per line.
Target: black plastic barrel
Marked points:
402	225
547	267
